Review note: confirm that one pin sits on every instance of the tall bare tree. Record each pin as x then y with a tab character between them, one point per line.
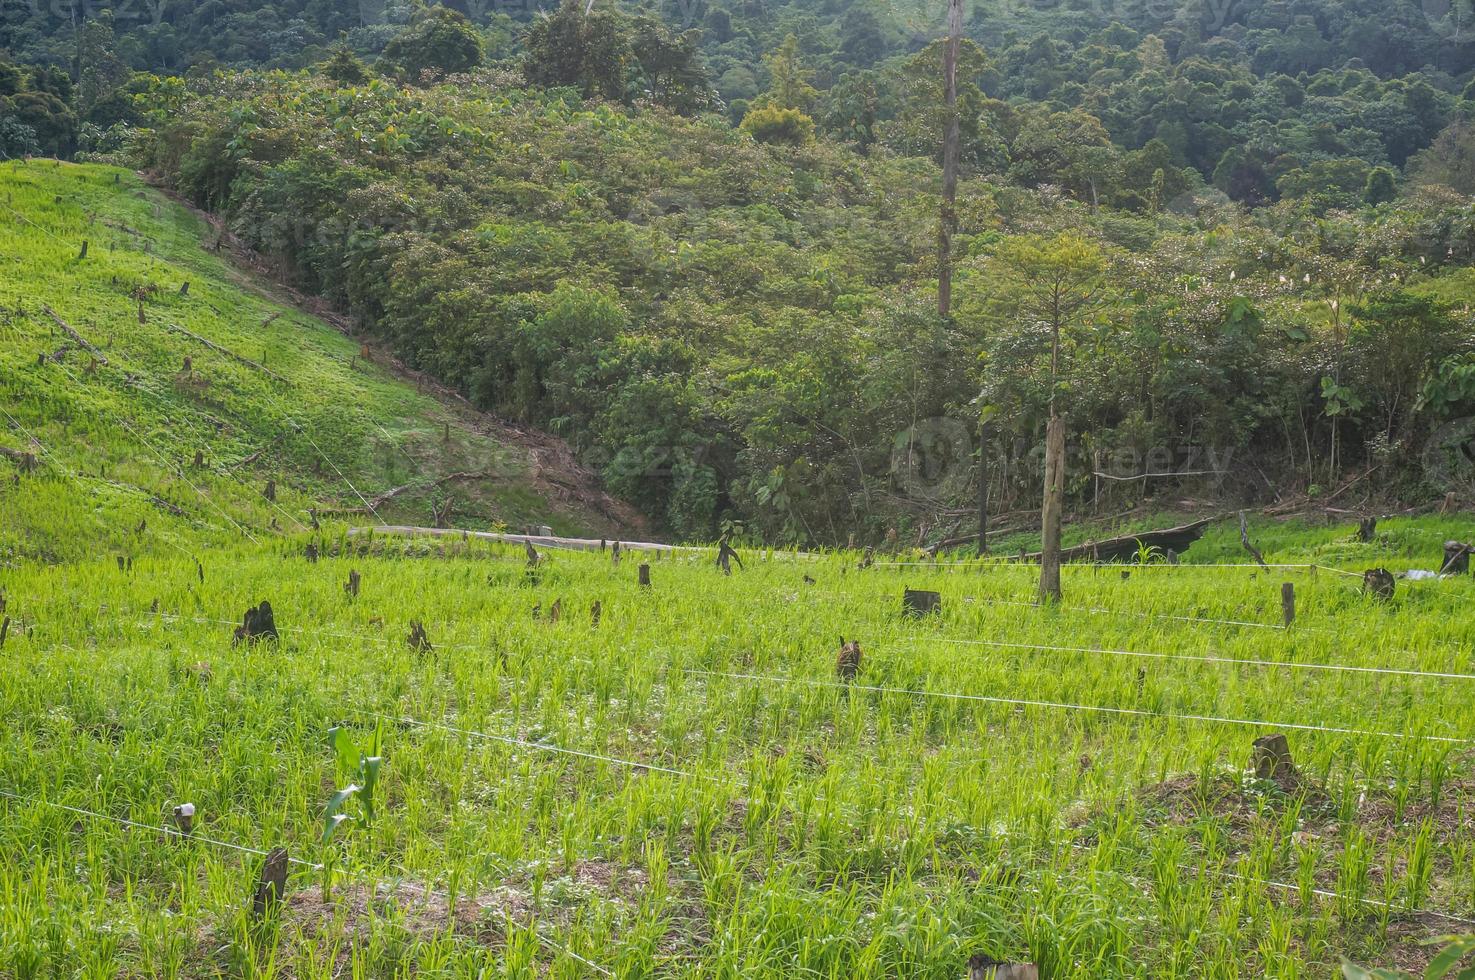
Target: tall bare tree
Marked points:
950	141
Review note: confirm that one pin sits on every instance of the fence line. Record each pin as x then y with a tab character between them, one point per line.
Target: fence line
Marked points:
1060	705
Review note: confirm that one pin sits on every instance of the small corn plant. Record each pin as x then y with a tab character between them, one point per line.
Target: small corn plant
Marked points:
359	770
1442	967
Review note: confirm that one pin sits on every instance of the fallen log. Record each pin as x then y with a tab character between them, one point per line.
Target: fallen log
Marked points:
70	332
25	461
228	353
1129	545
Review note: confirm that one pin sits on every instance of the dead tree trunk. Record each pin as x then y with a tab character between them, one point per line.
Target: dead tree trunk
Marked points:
1051	513
271	885
950	142
982	489
1244	539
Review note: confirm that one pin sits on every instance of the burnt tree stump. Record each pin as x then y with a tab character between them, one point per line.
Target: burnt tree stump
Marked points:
418	639
595	611
1272	755
614	553
1288	603
352	585
1367	528
847	661
644	573
1378	583
983	967
271	491
271	884
1456	558
726	555
259	624
920	602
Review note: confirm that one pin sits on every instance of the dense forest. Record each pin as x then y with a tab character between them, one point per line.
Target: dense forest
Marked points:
702	242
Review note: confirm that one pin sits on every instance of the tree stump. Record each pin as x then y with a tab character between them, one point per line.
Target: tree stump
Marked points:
555	610
259	624
1456	558
1288	603
1272	755
595	611
1378	583
725	556
199	459
271	885
1367	528
532	553
645	575
184	818
4	630
982	967
352	585
847	662
614	553
311	551
920	602
271	491
418	639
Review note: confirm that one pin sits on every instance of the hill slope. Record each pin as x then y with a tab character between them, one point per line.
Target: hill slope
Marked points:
138	409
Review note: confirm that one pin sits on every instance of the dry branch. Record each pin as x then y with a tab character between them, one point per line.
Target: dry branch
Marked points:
228	353
70	332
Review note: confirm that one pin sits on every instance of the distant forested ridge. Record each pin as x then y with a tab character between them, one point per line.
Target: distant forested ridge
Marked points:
721	288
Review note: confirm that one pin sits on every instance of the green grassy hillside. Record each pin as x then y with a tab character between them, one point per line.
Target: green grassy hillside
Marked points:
101	444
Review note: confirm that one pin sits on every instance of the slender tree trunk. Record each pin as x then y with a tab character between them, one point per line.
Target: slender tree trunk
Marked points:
1050	517
982	489
949	223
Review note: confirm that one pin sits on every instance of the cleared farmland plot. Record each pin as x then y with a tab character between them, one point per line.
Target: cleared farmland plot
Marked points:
687	789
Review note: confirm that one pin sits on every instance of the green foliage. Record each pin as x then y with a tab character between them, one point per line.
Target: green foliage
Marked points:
774	124
359	769
344	67
606	54
702	314
438	41
1456	949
